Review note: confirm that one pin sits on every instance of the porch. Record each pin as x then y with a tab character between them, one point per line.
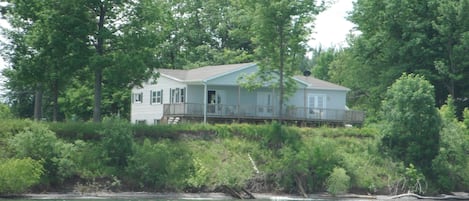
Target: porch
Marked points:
260	113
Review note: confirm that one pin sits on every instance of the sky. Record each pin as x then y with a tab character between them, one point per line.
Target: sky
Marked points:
331	29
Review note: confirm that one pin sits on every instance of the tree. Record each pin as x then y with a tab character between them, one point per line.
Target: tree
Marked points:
49	46
450	166
424	37
281	28
412	123
321	62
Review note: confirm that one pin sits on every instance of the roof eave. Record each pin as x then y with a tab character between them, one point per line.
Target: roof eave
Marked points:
171	77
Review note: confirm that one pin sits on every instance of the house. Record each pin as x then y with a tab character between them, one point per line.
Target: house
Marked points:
213	94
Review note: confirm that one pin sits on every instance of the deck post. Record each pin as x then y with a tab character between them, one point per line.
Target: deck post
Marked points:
205	102
239	101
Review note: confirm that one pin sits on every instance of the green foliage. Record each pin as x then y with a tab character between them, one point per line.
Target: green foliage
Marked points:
10	127
38	143
223	162
88	161
466	117
401	36
412	123
163	165
17	175
5	112
415	181
204	157
309	162
117	142
338	182
368	169
450	166
280	32
321	62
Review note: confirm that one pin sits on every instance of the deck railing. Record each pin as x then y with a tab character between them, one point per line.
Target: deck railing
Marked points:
263	112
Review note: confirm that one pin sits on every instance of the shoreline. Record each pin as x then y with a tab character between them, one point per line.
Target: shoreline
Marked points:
179	196
222	196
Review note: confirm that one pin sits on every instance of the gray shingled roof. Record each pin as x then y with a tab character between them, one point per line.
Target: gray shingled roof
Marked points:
207	72
203	73
315	83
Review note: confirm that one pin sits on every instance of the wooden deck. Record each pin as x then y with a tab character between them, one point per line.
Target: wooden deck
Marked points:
194	112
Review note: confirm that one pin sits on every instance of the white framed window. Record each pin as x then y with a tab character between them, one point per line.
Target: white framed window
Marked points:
137	97
156	97
156	121
177	95
140	121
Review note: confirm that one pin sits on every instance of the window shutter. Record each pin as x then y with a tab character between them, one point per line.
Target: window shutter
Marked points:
151	97
162	96
184	93
132	97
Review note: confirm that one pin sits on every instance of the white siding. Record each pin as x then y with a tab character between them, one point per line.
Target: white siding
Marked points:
145	111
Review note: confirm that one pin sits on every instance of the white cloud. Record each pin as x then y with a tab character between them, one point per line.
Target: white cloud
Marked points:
331	27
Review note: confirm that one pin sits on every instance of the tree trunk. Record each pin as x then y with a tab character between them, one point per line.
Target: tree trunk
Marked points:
282	67
98	71
55	109
38	104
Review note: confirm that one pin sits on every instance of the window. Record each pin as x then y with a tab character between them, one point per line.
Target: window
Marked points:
177	95
156	121
141	121
137	97
156	97
316	103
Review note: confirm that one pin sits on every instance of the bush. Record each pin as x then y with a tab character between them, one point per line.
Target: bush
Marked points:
38	143
369	171
338	182
164	165
117	142
222	162
5	112
17	175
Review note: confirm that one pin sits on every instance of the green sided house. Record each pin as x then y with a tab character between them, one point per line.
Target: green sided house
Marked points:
213	94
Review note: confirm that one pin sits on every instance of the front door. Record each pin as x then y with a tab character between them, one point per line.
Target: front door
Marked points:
316	105
215	99
264	104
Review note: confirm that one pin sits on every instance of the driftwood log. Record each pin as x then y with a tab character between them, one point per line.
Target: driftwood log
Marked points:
238	194
444	197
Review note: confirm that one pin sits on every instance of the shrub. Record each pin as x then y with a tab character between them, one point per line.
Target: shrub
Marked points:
117	142
17	175
88	160
368	170
5	112
338	182
163	165
38	143
307	164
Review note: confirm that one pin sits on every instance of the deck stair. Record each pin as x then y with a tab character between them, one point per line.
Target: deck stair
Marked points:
173	120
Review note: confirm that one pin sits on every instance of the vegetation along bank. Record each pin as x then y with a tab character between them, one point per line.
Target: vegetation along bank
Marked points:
415	147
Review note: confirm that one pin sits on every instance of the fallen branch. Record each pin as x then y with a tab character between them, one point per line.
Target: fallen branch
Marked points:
445	197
